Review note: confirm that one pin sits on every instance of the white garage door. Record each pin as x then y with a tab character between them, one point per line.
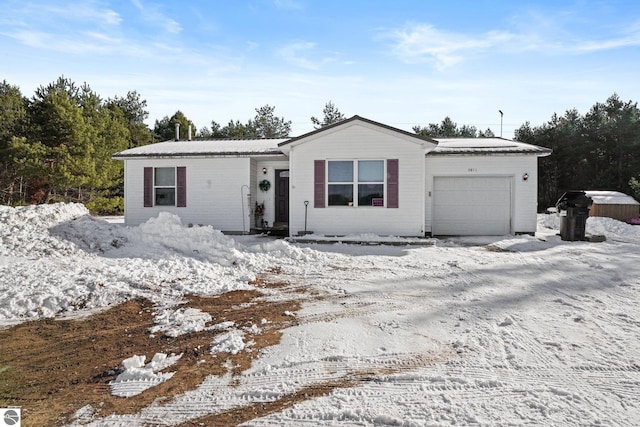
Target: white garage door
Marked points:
479	206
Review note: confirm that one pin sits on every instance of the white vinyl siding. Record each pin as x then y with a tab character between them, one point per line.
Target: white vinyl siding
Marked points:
523	193
358	141
213	190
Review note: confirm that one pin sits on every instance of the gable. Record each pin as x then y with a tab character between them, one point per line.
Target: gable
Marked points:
358	133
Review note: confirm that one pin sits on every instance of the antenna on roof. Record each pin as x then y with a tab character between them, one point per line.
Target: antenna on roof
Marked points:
501	114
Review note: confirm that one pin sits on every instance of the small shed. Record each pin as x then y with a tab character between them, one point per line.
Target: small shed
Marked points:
613	204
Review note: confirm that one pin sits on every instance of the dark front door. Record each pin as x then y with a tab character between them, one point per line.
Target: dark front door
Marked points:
282	195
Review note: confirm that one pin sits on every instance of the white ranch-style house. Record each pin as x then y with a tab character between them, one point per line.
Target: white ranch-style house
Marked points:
352	177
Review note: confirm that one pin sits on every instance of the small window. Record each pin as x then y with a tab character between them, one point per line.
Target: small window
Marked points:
164	186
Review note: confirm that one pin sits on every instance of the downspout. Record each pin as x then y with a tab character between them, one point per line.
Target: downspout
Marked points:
242	196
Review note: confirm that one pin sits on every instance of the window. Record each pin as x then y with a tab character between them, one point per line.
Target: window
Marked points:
370	183
164	186
355	180
340	180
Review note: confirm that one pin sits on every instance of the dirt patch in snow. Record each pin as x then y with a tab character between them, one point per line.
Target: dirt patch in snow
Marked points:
52	368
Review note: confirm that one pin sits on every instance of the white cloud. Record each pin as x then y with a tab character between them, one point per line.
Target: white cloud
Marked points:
153	15
298	54
75	12
89	42
630	40
425	43
294	54
111	17
85	28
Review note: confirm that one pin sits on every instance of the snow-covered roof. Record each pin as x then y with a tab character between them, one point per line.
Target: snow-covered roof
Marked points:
611	198
485	146
245	147
205	148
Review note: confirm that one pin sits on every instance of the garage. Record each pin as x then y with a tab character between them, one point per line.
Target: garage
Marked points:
472	206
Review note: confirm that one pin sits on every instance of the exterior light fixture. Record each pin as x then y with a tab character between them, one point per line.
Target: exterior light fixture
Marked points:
525	176
264	171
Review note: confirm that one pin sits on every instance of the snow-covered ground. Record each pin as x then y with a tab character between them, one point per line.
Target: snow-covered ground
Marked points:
507	330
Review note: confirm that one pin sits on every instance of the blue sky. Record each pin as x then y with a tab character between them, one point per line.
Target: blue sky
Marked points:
400	62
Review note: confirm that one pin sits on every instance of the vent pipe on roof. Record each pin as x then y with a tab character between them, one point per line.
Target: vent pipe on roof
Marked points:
189	133
177	131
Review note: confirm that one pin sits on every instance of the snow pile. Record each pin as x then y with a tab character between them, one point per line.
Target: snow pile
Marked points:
231	342
597	225
21	233
613	229
138	377
165	235
549	221
174	323
279	252
160	237
58	259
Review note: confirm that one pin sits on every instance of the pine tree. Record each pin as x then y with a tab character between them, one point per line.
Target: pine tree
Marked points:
331	115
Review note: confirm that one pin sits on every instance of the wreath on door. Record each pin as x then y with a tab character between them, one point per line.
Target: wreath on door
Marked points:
264	185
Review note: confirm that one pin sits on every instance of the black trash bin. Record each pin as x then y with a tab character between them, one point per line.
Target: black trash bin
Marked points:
573	208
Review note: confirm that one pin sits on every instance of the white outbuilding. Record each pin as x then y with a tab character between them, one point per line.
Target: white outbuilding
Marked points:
356	176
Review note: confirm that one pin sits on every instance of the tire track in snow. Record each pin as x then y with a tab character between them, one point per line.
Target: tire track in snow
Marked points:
542	388
252	390
544	370
424	394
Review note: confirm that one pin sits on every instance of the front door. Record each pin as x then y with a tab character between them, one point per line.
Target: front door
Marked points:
282	195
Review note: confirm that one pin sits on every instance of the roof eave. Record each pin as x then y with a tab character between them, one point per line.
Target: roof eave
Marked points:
489	153
119	156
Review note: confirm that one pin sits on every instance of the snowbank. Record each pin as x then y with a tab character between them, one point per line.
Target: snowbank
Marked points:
597	225
58	259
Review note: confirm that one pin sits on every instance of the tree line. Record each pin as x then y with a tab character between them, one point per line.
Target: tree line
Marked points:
57	145
599	150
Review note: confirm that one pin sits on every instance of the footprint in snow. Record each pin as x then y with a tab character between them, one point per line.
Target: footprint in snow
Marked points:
506	322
